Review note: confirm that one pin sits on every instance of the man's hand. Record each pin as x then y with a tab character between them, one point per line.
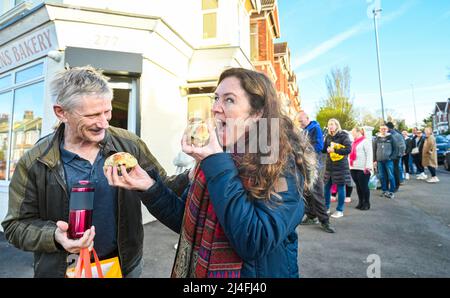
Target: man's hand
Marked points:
330	149
73	246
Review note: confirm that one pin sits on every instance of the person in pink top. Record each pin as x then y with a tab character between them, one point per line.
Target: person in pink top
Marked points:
361	166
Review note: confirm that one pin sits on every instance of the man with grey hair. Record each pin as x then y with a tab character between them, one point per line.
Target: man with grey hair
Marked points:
39	191
315	201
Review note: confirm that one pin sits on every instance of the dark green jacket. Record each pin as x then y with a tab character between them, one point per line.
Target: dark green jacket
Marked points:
38	198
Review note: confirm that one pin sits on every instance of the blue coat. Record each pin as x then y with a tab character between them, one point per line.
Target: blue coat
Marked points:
315	136
262	235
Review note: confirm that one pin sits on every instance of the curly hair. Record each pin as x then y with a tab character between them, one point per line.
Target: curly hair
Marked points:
292	144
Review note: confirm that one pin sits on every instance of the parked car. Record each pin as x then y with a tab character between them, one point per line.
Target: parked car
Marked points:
447	160
442	145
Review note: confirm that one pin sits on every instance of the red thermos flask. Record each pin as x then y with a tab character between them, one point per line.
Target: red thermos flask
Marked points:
81	206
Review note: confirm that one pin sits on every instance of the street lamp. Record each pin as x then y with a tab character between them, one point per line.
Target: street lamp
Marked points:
414	104
375	12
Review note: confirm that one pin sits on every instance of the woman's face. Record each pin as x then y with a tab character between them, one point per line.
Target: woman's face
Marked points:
428	132
332	126
231	110
356	134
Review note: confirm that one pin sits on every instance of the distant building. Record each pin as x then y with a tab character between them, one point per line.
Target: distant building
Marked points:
273	58
441	117
286	79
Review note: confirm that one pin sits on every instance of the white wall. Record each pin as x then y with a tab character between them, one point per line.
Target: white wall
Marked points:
185	17
163	113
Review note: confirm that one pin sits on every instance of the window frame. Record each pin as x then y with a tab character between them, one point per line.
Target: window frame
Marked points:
207	11
254	49
12	4
13	87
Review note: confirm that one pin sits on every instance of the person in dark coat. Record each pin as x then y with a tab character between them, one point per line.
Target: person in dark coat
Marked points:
239	216
418	142
315	201
407	157
399	151
337	146
383	156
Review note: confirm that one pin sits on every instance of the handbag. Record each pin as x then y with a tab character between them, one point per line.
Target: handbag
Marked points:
108	268
415	150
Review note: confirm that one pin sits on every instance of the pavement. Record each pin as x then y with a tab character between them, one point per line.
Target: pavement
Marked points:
408	236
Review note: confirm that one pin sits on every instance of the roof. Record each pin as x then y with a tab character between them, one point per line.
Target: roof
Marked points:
441	105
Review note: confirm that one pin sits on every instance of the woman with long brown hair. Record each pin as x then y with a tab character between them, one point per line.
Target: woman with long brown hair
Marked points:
238	217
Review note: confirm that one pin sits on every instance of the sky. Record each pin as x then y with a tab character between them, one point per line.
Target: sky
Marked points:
414	43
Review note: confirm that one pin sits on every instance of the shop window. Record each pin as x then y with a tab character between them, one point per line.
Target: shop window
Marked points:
5	82
21	114
29	73
209	8
27	120
5	112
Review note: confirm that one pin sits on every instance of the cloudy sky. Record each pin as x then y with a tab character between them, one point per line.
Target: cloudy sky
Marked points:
414	38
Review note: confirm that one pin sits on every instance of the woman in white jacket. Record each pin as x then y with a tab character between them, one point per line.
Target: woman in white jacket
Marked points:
361	166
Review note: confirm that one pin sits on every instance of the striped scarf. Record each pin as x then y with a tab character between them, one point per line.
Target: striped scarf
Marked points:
203	249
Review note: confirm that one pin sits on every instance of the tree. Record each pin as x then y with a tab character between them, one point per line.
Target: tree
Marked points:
338	104
401	125
427	122
368	119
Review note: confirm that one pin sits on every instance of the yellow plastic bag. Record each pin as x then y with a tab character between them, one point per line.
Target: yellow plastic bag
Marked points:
109	268
334	156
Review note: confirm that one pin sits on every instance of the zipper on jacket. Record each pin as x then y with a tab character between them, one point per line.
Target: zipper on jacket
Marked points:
118	229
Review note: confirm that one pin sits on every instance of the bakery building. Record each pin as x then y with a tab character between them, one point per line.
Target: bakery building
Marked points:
163	58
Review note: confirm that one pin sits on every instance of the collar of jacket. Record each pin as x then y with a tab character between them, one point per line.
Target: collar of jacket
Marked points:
383	136
51	155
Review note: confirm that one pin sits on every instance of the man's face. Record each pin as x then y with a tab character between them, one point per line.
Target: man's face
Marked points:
384	129
303	120
88	121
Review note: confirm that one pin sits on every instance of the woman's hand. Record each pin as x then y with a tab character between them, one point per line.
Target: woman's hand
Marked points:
137	179
200	153
70	245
